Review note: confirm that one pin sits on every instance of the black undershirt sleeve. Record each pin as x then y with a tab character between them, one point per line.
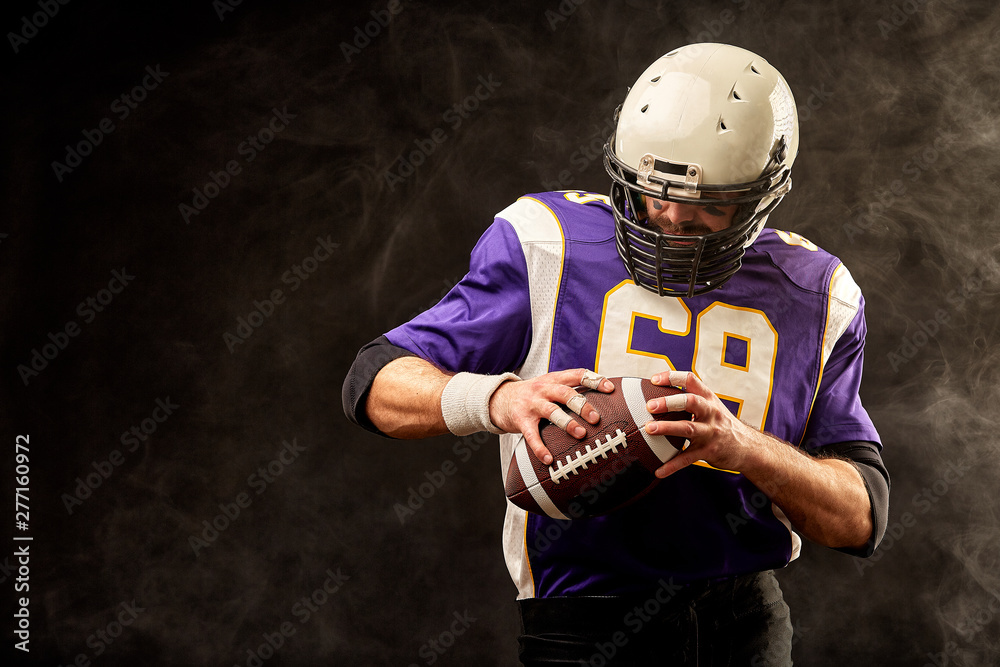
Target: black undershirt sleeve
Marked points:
372	358
868	461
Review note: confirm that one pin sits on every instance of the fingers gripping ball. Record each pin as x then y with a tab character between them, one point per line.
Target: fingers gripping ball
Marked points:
611	466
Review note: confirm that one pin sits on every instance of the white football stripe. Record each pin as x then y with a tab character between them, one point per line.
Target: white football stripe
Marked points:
533	485
636	401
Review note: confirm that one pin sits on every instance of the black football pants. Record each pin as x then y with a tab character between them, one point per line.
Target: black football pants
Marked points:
741	621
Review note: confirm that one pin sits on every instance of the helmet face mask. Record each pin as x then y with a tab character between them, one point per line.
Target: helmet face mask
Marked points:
705	125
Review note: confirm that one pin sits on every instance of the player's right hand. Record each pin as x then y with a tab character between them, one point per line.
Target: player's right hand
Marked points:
518	406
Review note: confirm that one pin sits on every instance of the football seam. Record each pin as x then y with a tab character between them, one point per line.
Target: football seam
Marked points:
562	470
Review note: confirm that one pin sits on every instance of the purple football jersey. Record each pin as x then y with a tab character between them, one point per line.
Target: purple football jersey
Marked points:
781	344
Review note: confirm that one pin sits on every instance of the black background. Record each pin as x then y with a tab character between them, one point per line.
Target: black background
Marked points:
877	84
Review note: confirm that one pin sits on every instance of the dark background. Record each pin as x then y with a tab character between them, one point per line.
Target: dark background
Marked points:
897	175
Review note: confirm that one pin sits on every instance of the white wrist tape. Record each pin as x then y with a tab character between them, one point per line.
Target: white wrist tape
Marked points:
465	403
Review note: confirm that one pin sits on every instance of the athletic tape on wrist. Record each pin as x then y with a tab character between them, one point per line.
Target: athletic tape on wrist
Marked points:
465	403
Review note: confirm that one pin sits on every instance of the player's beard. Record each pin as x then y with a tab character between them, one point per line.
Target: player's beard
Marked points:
694	229
686	228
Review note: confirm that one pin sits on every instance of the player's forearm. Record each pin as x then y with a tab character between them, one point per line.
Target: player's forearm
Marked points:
825	499
405	399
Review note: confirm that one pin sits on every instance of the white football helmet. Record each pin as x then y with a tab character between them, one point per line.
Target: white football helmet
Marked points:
702	120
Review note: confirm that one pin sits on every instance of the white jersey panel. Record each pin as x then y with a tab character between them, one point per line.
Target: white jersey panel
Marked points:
543	244
845	300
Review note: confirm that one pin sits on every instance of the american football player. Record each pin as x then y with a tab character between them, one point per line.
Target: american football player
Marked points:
674	277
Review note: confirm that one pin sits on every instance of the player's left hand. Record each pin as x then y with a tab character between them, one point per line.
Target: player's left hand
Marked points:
717	436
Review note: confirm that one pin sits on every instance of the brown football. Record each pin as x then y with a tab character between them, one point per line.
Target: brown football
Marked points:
610	467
